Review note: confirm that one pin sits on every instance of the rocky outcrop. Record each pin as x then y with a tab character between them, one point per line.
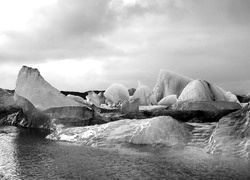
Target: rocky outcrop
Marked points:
116	92
32	86
232	135
168	100
168	83
158	130
200	90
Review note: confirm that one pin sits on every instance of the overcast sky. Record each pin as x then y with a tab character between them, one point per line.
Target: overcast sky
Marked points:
89	44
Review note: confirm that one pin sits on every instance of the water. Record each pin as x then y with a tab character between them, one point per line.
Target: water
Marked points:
28	155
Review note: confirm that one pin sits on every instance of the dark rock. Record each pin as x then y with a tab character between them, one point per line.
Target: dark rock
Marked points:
232	135
80	94
243	98
13	119
190	111
4	111
131	91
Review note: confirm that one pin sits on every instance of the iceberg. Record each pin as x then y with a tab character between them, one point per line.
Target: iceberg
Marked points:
158	130
168	100
116	92
32	86
168	83
143	93
231	135
200	90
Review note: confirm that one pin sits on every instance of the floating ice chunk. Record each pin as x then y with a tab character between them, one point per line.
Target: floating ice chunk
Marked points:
78	99
168	100
168	83
88	134
200	90
232	135
158	130
116	92
68	137
143	93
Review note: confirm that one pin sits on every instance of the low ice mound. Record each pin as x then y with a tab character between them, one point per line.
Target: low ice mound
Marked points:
200	90
143	93
78	99
232	135
169	83
168	100
32	86
159	130
116	92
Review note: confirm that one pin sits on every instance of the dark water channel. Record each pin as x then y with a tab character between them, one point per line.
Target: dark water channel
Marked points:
28	155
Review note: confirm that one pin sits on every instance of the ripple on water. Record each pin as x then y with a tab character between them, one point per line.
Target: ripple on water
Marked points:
31	156
7	157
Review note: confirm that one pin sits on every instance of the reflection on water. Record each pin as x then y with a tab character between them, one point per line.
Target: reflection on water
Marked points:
28	155
8	160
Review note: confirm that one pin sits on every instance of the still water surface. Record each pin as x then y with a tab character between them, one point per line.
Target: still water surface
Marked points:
28	155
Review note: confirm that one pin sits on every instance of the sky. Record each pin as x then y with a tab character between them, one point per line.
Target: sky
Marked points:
81	45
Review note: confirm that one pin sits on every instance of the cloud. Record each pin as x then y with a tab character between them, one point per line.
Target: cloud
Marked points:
77	29
64	30
132	40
